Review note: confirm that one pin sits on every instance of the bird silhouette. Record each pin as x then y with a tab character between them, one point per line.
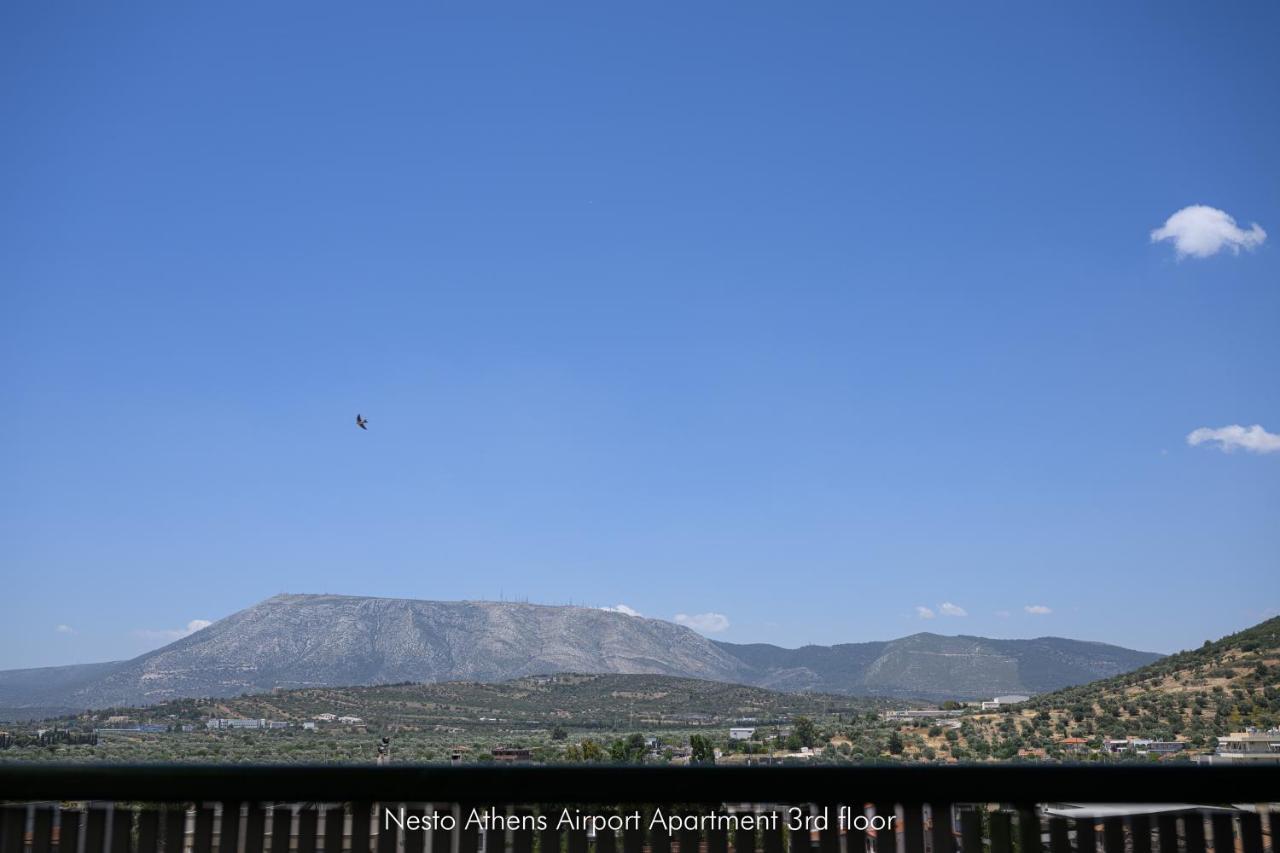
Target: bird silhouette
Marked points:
361	422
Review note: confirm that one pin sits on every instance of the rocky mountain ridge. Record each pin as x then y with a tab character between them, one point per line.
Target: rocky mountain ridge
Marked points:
330	640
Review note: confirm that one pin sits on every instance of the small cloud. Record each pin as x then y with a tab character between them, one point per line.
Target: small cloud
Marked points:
1038	609
171	634
1200	231
65	629
707	623
925	613
1003	614
1254	439
949	609
623	609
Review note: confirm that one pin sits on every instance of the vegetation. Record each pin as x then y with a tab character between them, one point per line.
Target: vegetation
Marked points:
1191	697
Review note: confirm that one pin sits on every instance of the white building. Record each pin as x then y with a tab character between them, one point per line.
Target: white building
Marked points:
1000	701
741	733
350	721
225	723
1247	747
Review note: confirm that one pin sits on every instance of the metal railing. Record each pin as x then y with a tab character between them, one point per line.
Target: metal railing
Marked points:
431	809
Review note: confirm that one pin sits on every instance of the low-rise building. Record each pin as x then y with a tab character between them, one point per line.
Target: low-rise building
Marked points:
741	733
1075	744
920	714
1002	701
1250	746
228	723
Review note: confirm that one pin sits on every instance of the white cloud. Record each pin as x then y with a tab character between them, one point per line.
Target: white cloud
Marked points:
65	629
1254	439
925	612
1038	609
1201	231
1003	614
707	623
623	609
171	634
950	609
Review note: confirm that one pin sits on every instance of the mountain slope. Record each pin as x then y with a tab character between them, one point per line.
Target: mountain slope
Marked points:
312	640
330	640
930	666
1192	696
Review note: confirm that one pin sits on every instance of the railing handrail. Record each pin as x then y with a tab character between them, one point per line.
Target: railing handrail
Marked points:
1081	783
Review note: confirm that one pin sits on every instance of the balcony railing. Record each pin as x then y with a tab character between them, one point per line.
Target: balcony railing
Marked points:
425	809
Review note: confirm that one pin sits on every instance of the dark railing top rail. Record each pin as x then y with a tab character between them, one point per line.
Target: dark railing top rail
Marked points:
603	784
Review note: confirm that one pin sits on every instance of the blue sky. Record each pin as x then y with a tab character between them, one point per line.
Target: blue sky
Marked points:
809	318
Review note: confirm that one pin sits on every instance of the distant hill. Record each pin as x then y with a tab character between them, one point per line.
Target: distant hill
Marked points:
573	700
931	666
1193	696
292	641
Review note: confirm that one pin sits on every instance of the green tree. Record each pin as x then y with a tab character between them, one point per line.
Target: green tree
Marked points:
806	732
703	751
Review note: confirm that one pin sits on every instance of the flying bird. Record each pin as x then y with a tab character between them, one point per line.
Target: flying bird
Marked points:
361	422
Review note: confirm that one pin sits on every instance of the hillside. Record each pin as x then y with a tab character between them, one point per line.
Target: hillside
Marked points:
554	715
328	640
931	666
1192	696
571	700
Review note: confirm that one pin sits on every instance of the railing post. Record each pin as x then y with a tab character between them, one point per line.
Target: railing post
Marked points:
175	830
1086	838
255	829
229	828
1029	831
549	838
95	830
202	835
1224	833
69	830
1059	839
1140	833
359	841
942	834
335	826
121	830
971	831
1113	835
1251	832
913	827
1193	831
308	819
149	831
1167	832
388	836
1001	832
42	830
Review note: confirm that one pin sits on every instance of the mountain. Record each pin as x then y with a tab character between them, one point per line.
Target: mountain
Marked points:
931	666
316	640
327	640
